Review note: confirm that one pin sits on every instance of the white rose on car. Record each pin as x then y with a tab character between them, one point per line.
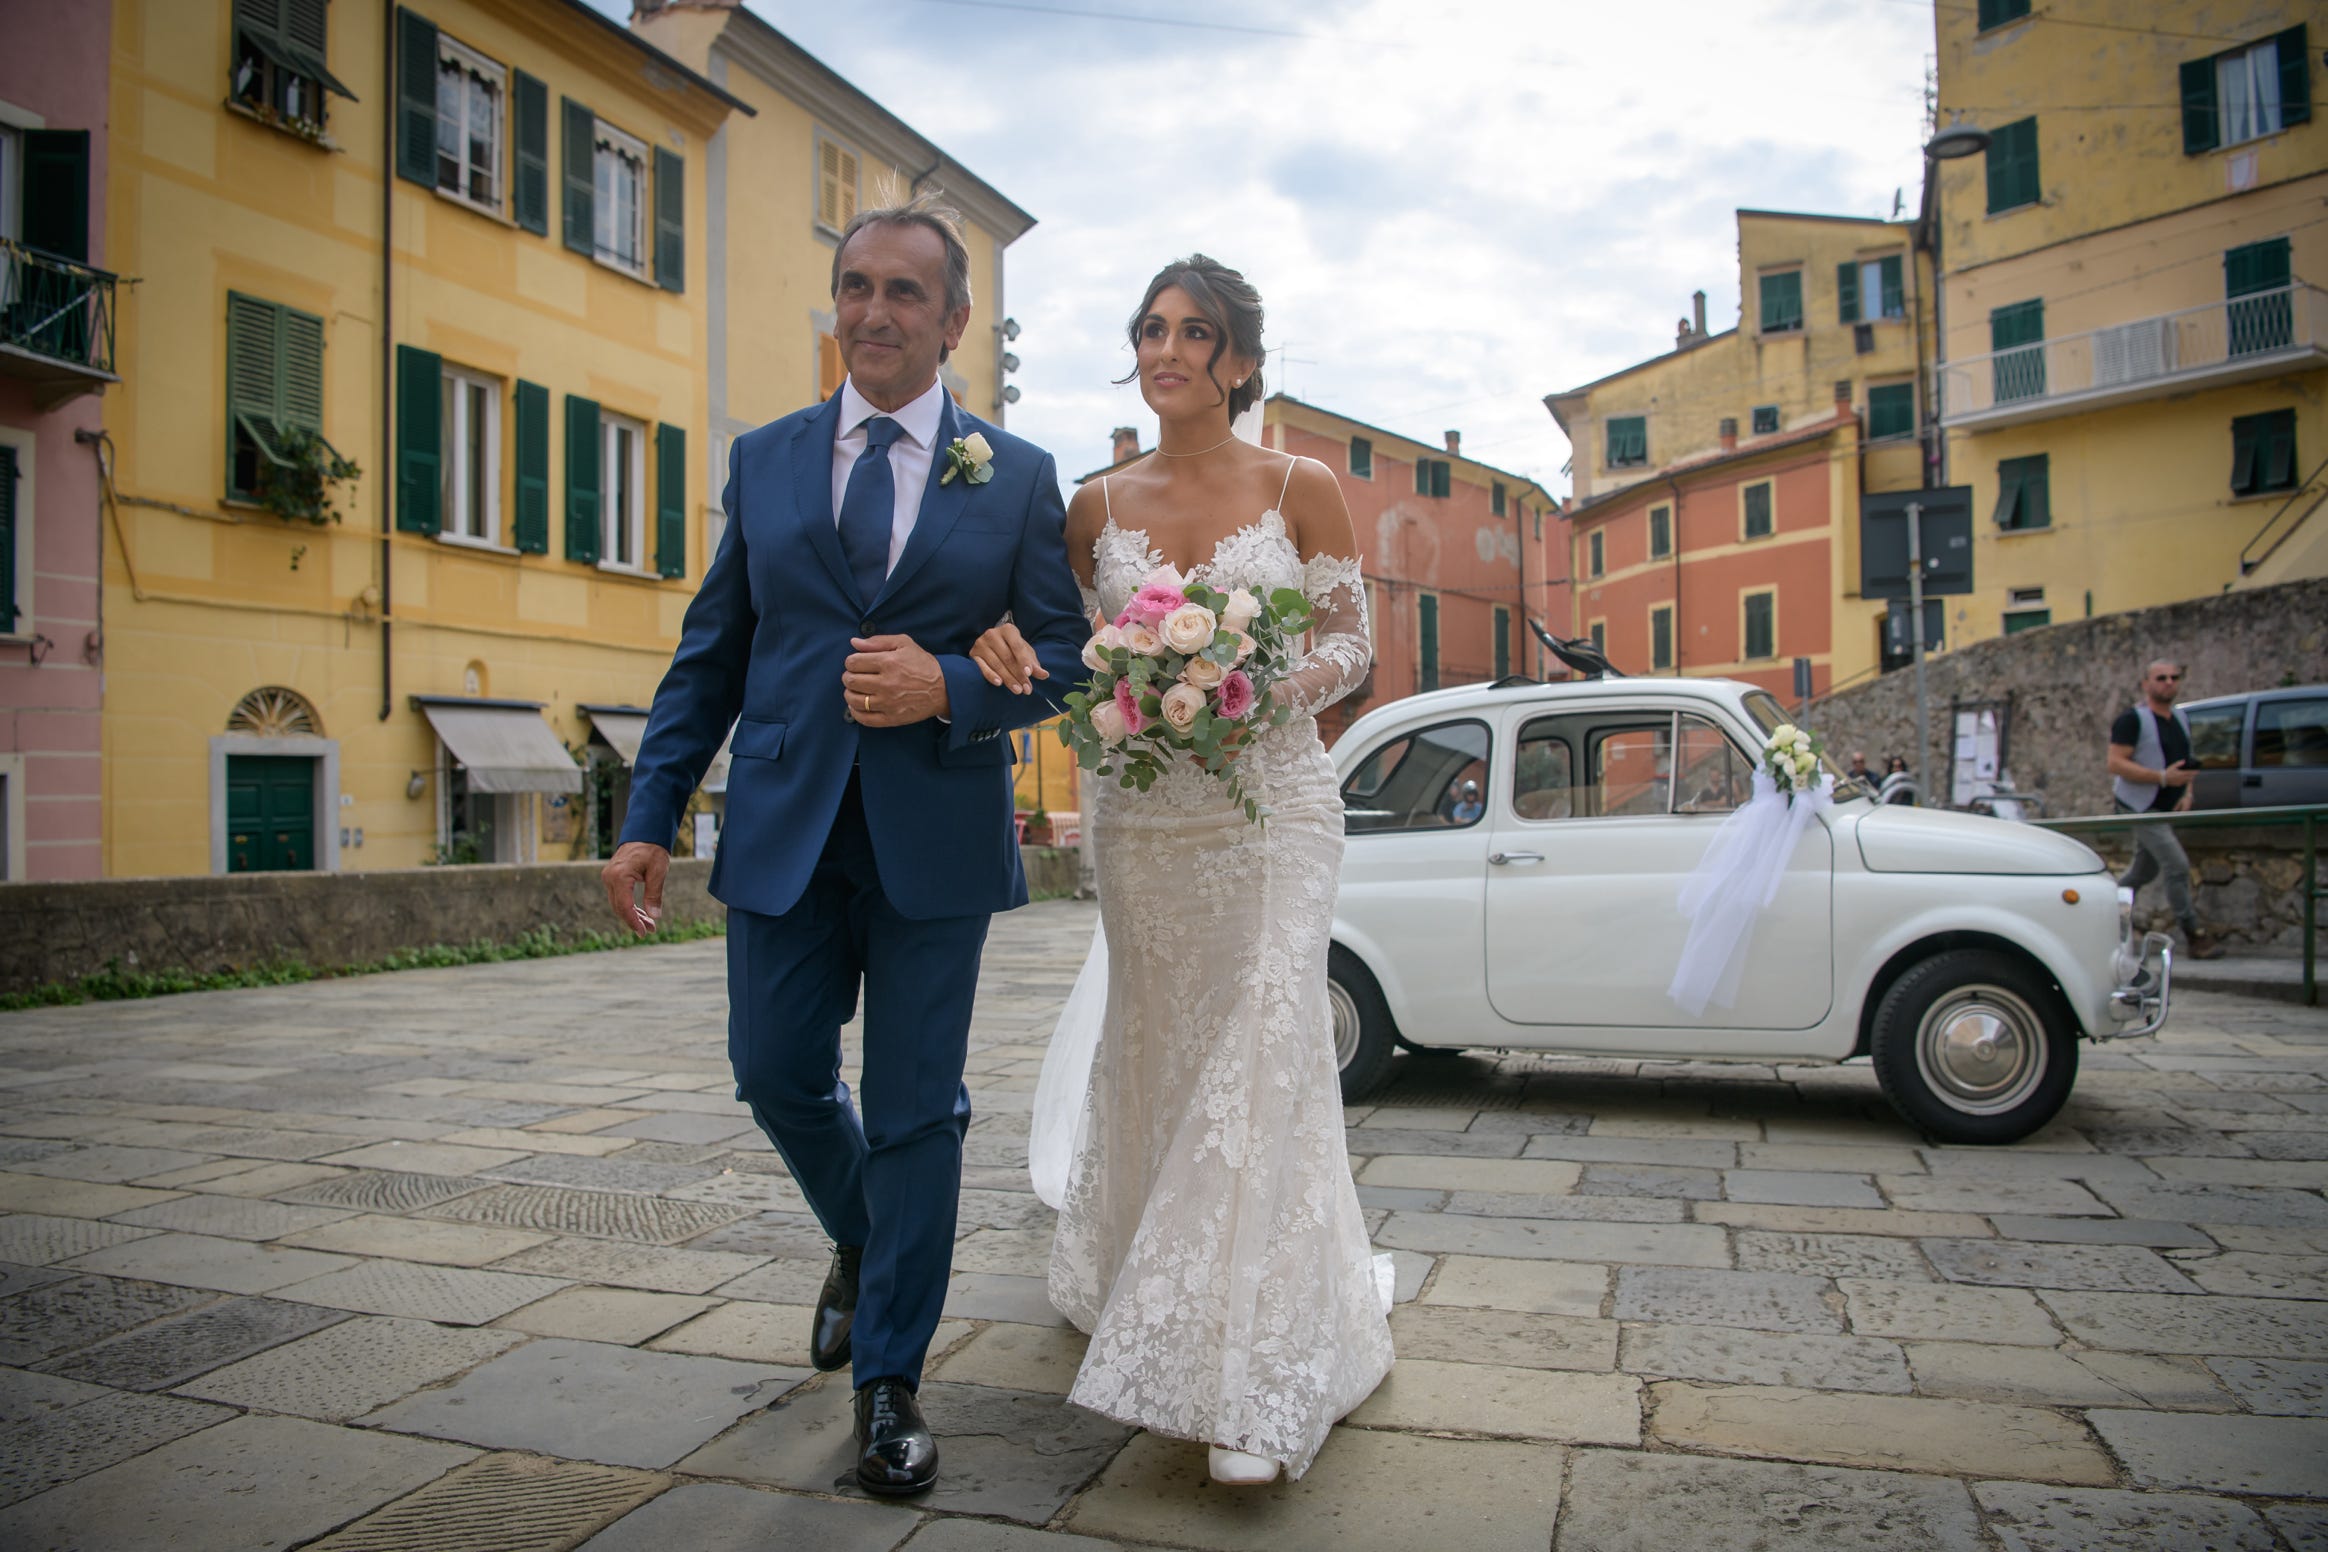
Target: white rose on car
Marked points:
1181	704
1802	740
1238	612
1784	733
1204	673
1107	720
1143	641
1189	628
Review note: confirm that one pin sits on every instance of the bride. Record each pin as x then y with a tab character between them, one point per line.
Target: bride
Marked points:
1209	1238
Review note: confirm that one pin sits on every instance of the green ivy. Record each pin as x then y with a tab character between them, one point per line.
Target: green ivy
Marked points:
300	489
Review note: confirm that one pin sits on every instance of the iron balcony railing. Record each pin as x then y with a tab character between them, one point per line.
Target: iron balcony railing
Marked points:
2226	340
55	308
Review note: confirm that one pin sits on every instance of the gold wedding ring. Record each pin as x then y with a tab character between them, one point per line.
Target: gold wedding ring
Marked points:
867	697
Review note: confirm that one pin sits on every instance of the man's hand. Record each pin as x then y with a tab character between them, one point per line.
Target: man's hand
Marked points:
637	868
2178	774
889	681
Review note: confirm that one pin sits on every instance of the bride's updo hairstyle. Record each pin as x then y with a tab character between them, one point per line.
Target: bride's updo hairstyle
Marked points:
1229	302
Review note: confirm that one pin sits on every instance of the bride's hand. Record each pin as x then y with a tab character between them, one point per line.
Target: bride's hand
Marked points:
1006	660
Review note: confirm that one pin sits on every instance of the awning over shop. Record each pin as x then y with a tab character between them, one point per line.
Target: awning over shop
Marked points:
504	746
621	726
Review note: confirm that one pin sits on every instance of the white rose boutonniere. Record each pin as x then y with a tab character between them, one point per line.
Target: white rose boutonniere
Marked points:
971	458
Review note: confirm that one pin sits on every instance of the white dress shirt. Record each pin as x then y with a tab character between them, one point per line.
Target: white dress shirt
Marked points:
909	455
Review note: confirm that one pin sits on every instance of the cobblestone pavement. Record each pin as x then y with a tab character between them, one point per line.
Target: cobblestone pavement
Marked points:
491	1258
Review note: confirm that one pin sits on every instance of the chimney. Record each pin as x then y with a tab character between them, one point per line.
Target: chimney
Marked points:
1455	443
1729	433
1680	333
1127	443
1697	312
1842	393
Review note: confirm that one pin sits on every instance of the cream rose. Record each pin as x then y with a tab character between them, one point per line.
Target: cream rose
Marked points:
1181	704
1190	628
975	445
1203	672
1107	720
1143	641
1783	733
1238	612
1165	576
1106	639
1244	646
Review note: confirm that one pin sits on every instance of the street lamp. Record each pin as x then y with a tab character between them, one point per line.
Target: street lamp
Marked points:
1955	141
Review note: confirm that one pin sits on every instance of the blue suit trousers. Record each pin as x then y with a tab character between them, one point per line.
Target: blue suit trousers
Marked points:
885	1173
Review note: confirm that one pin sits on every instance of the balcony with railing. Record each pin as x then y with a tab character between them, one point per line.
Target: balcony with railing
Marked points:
2230	341
56	322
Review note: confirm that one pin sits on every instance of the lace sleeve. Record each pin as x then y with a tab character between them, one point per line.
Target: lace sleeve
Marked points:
1339	656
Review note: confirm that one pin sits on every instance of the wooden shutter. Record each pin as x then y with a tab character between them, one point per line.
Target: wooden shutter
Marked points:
254	379
2013	176
1661	638
8	608
582	467
2279	450
670	220
530	100
1441	471
580	171
301	375
2295	72
1758	516
533	469
2022	323
2202	125
2262	266
1496	499
56	192
1427	641
1847	292
2036	491
1895	296
836	184
1362	458
416	85
1503	641
420	379
1760	632
306	27
670	501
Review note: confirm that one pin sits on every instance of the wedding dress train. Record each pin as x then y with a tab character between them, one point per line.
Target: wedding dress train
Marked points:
1210	1238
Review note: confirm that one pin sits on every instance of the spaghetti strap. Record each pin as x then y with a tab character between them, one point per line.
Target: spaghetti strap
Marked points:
1106	500
1288	485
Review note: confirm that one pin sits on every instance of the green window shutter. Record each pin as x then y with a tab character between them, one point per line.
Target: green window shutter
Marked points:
2295	69
301	376
1362	458
533	469
1847	293
582	524
671	501
2202	125
2245	453
56	192
1422	476
254	382
2024	493
1995	13
2008	513
2022	323
2013	174
1895	294
1660	532
1661	638
579	168
1782	302
531	101
1441	472
8	607
416	86
1503	641
1628	440
1758	523
2261	266
306	25
670	220
1496	500
1427	641
2279	463
1760	637
420	377
1891	410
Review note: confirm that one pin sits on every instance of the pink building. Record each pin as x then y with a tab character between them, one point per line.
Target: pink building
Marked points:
56	359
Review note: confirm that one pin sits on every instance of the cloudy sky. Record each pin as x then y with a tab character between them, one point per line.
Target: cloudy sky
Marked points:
1451	207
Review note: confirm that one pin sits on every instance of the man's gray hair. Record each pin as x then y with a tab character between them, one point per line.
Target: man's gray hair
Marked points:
926	209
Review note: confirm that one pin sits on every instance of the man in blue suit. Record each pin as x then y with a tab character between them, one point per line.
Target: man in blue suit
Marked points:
868	836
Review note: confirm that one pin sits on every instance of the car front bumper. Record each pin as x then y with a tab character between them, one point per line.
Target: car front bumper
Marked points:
2145	976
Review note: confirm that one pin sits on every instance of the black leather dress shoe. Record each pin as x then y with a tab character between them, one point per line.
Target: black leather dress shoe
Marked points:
896	1455
836	1312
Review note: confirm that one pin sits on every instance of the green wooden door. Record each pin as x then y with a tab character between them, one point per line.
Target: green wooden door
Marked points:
270	813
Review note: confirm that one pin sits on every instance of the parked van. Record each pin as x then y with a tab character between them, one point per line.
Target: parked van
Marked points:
2260	750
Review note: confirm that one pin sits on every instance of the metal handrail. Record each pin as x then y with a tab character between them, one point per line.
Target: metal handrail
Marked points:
56	307
2312	480
2310	815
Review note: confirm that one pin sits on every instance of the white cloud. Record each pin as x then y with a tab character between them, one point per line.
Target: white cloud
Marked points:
1450	209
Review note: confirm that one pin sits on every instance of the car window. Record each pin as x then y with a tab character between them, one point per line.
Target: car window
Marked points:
2215	735
1544	770
2291	733
1434	778
1631	769
1711	776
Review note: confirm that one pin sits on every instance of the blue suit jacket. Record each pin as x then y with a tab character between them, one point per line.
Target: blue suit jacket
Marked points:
763	646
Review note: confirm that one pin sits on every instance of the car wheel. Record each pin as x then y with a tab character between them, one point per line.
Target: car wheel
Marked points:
1364	1040
1973	1047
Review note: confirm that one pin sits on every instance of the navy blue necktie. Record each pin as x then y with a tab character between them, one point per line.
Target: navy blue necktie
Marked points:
869	509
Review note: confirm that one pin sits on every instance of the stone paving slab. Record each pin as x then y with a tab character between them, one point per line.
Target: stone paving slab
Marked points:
1947	1312
72	1198
157	1356
661	1268
1476	1398
593	1214
1656	1503
40	1453
347	1370
375	1190
206	1261
623	1316
718	1517
459	1296
1737	1357
1656	1244
1511	1338
2201	1323
591	1401
1895	1433
2276	1387
2014	1264
2030	1518
503	1503
110	1164
231	1217
34	1239
250	1485
2101	1231
1768	1301
418	1239
25	1395
1830	1255
61	1316
1521	1287
2280	1456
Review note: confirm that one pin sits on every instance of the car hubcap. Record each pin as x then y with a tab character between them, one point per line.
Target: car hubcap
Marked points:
1982	1050
1345	1023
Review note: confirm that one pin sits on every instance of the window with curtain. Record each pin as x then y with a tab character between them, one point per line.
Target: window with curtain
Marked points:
470	412
619	183
2246	93
1759	519
470	92
1628	441
1782	301
1660	532
623	492
2025	493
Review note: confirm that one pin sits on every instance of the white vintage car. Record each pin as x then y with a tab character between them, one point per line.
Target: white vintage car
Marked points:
1514	859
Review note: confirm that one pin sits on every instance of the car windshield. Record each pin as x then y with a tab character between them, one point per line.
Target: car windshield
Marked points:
1770	716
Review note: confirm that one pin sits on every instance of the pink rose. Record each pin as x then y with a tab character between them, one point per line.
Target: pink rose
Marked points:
1107	720
1151	603
1235	696
1128	707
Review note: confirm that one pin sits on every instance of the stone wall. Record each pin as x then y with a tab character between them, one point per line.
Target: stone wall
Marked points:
2246	886
2065	682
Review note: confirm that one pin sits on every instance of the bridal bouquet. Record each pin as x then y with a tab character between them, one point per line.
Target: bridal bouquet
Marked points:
1183	672
1791	756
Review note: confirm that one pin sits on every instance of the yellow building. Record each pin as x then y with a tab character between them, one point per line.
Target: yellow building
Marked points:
1714	525
2133	342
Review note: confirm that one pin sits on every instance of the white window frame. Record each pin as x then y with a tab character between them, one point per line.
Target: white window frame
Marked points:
2257	66
450	51
460	525
27	517
620	508
611	148
1871	285
853	186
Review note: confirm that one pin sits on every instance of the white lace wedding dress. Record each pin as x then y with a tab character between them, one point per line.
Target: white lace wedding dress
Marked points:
1209	1238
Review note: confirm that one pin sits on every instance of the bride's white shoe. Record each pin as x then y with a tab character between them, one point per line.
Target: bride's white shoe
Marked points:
1238	1469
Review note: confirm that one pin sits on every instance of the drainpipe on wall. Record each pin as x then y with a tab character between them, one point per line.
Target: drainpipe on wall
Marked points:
387	352
1674	485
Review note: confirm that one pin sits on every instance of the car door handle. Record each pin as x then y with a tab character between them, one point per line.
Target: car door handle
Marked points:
1505	859
2252	781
